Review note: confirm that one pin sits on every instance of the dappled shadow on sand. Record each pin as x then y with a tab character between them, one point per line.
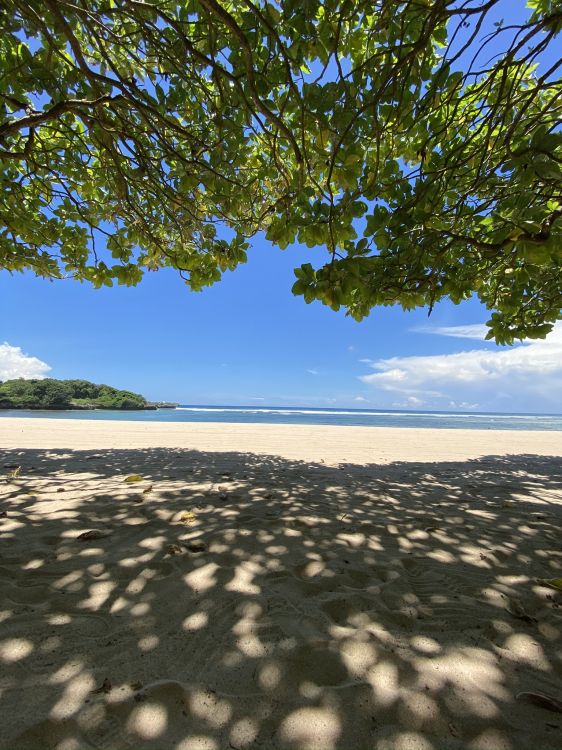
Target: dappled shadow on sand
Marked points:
243	601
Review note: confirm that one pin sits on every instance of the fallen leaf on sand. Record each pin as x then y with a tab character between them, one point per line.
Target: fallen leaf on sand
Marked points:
133	478
92	534
105	687
553	583
508	504
188	517
542	700
147	490
174	549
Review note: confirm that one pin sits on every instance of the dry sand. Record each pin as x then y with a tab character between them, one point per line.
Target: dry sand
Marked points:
284	587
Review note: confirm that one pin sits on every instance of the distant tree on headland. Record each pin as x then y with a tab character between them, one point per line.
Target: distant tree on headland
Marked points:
66	394
417	141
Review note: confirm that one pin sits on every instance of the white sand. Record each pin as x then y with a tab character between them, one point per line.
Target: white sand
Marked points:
278	587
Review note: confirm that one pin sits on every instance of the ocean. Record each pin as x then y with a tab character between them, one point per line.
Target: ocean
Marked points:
313	416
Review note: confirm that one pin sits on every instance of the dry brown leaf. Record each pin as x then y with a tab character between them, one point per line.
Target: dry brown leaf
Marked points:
174	549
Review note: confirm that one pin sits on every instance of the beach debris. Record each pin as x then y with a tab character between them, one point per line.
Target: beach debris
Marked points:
429	529
541	699
136	685
105	687
508	504
14	474
92	534
133	478
516	609
553	583
147	489
188	517
174	549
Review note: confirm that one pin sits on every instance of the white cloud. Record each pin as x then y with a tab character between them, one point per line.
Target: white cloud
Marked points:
360	398
313	372
15	364
412	402
463	405
521	374
475	331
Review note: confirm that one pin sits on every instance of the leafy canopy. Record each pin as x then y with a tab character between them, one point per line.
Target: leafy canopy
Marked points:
417	141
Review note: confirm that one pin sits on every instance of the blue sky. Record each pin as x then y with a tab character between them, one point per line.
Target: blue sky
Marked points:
247	340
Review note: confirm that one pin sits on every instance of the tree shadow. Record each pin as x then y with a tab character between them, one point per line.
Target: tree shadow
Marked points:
244	601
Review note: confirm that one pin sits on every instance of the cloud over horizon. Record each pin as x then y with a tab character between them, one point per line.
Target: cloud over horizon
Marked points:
476	377
476	331
16	364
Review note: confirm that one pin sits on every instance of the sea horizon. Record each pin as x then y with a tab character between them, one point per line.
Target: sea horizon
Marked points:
310	415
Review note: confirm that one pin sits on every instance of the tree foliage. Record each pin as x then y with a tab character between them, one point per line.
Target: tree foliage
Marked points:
65	394
417	141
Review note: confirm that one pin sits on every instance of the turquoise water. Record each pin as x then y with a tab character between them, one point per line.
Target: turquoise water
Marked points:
310	416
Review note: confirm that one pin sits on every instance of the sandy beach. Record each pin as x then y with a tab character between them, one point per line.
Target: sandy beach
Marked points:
206	586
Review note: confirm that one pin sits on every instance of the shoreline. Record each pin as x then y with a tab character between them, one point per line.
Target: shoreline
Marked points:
333	444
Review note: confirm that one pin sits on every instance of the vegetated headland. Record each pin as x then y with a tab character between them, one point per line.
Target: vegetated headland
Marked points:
49	393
